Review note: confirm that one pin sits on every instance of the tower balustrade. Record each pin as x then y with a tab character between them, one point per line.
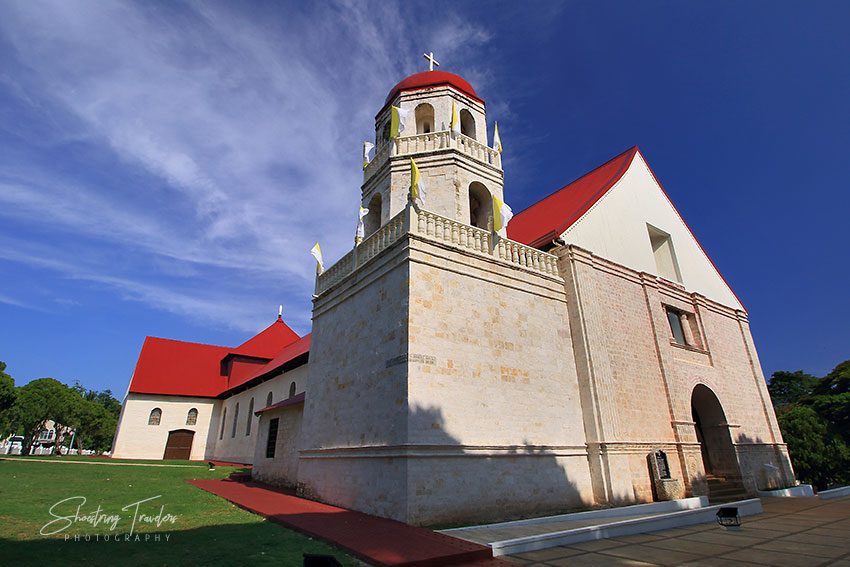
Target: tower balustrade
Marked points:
437	228
432	141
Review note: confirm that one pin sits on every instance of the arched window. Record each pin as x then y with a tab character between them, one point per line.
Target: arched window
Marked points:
292	389
155	416
235	420
269	400
480	206
467	124
372	222
223	418
385	135
424	118
192	417
250	417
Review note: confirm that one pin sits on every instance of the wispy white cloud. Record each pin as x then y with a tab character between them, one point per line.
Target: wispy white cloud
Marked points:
21	304
225	138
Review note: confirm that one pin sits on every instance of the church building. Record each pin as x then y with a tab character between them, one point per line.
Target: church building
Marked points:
588	354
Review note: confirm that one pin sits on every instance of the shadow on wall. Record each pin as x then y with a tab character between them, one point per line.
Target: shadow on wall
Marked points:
454	484
763	466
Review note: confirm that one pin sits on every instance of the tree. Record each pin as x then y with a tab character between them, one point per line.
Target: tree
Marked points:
7	400
788	388
96	427
831	398
814	416
39	401
93	417
821	457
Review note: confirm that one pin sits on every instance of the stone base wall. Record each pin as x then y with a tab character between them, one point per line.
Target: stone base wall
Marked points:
470	489
373	484
764	466
282	469
628	474
449	485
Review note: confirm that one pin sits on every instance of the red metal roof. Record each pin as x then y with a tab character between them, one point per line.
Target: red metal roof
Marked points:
179	368
548	218
428	79
297	399
268	342
289	352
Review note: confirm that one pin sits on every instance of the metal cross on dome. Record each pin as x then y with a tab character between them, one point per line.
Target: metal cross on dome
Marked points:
431	60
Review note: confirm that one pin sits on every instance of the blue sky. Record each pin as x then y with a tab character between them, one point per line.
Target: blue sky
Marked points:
166	167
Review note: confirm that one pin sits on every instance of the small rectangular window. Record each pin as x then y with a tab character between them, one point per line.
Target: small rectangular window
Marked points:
664	254
675	319
684	328
272	441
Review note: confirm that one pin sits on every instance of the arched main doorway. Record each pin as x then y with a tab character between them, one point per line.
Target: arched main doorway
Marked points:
715	440
179	444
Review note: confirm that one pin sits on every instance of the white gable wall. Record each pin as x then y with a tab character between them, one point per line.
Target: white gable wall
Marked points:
135	439
615	228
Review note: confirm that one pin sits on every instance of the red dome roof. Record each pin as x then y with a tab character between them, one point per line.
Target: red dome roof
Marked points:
427	79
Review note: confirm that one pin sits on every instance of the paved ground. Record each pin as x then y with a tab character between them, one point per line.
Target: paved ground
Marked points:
791	532
487	535
806	532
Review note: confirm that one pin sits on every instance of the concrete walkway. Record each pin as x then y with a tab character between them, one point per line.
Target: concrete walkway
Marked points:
807	532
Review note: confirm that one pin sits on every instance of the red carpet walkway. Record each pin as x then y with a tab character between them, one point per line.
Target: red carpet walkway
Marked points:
375	540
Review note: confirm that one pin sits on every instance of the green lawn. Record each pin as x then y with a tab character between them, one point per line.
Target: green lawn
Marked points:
207	530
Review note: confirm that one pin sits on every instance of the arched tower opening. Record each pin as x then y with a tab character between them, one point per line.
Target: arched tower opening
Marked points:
424	118
480	206
372	221
467	124
715	440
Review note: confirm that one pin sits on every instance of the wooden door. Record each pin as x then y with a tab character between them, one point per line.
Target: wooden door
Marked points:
179	445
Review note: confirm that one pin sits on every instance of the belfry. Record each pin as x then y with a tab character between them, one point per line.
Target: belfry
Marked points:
459	166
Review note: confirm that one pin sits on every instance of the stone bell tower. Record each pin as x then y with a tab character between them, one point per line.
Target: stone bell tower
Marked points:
457	169
439	376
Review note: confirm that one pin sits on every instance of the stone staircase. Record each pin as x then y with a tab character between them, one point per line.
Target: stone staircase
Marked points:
726	489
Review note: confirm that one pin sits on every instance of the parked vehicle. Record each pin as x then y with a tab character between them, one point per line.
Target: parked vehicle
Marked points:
15	445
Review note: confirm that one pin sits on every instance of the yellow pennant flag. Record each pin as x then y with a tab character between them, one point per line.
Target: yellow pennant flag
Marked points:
317	254
397	121
368	153
497	142
502	214
455	121
417	186
361	228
